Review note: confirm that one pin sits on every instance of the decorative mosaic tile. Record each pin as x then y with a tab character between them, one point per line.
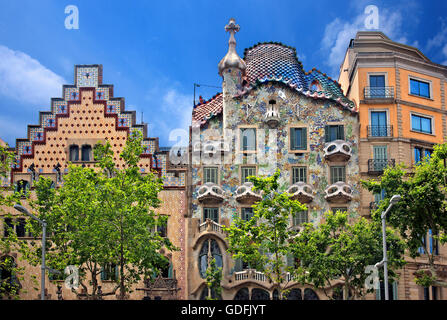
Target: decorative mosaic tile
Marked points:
102	94
87	77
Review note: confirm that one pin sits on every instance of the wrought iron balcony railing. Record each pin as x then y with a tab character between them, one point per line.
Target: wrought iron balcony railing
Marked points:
376	166
380	131
379	92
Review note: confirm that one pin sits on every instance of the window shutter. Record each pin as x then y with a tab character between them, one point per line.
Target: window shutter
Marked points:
304	138
117	273
290	260
103	274
341	132
170	271
326	134
394	290
238	265
292	139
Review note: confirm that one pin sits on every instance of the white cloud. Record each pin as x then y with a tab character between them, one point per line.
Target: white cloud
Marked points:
439	41
338	33
26	80
444	51
174	110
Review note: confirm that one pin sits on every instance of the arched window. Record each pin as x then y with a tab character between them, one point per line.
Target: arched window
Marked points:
309	294
210	249
259	294
295	294
86	153
203	259
8	280
74	153
205	292
275	295
315	86
248	139
242	294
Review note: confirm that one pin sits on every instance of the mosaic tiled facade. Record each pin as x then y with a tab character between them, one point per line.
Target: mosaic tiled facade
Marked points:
88	113
269	93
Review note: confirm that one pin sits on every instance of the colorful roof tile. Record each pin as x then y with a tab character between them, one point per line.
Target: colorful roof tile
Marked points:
204	111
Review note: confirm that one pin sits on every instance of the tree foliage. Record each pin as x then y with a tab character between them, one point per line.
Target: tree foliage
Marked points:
263	241
213	281
10	272
337	252
103	217
422	209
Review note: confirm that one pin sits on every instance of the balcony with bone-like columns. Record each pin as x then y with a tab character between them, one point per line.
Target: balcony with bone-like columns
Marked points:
210	193
302	192
340	192
337	150
245	193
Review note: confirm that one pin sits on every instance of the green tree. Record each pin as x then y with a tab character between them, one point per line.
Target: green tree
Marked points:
103	217
263	241
10	272
422	209
213	281
339	250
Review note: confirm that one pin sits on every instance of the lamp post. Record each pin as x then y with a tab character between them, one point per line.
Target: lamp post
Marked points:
394	199
44	231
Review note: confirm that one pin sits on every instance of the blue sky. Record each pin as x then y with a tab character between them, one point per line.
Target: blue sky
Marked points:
153	51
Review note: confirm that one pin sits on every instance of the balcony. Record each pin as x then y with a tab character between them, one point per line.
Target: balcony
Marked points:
210	226
245	193
302	192
249	274
339	192
210	192
380	131
380	94
376	166
337	150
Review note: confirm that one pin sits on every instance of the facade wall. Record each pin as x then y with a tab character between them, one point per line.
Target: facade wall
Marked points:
272	152
86	114
371	55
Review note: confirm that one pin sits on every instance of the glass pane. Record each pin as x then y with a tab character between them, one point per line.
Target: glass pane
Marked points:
424	89
248	139
426	125
297	138
414	87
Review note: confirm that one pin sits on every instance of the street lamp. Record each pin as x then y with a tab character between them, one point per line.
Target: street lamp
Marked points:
44	231
394	199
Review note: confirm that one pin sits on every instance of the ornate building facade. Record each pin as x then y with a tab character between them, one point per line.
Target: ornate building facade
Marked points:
400	96
270	115
87	113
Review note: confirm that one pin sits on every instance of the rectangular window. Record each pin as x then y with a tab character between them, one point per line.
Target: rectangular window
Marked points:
379	125
338	174
298	138
211	213
248	139
246	172
210	175
300	218
334	132
162	229
420	88
7	224
246	213
109	272
299	174
421	124
417	154
377	86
